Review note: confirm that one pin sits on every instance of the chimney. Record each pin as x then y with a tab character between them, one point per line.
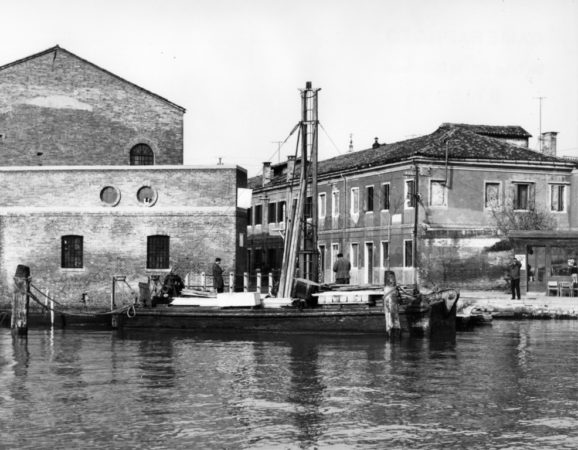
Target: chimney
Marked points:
290	167
266	173
376	144
549	143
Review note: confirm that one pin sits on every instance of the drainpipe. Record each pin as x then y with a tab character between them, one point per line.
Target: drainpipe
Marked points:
415	224
345	212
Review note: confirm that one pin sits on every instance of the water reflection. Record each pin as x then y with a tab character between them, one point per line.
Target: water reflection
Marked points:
510	385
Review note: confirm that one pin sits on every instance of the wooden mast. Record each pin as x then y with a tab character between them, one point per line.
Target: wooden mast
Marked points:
297	225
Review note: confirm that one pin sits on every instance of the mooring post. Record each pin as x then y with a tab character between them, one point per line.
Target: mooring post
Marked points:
392	325
258	286
270	284
245	282
20	301
231	282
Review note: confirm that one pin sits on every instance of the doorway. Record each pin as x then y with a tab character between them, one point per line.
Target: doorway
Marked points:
368	262
536	270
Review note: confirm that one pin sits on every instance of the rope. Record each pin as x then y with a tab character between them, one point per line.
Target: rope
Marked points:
49	298
66	313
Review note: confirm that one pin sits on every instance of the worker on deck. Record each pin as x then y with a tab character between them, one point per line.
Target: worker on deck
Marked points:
341	268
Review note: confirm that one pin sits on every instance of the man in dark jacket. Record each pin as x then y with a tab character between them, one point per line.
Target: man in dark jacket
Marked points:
341	268
218	283
515	277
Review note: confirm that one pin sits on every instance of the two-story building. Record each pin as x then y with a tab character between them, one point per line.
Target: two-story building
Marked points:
431	204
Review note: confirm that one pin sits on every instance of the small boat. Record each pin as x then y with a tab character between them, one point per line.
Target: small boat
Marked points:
472	316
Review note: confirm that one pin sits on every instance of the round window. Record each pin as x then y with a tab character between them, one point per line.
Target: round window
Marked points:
110	196
146	195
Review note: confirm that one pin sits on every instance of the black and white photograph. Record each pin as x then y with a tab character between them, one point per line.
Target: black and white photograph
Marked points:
289	224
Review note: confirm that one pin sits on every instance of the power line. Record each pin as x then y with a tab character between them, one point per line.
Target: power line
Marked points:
331	140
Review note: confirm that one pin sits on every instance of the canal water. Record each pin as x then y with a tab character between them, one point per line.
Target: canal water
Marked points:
511	385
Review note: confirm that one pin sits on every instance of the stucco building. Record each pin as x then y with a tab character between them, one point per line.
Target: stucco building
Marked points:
91	167
431	203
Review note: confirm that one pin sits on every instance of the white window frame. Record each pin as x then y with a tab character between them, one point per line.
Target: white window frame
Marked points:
381	255
335	203
382	197
516	198
322	205
367	210
564	198
354	258
498	200
354	201
408	200
334	252
444	191
405	241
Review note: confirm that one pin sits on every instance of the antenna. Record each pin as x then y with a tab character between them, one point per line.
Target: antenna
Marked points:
540	123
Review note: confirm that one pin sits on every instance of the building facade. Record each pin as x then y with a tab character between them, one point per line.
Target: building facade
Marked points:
434	209
94	186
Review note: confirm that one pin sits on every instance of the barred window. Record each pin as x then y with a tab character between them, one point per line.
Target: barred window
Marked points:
158	252
141	155
71	257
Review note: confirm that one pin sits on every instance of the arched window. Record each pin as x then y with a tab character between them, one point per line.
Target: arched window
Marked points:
141	155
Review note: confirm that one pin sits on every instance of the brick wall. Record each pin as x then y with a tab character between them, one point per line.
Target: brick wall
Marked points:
195	207
56	109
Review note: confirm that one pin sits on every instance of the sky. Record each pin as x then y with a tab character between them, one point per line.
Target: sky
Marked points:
387	69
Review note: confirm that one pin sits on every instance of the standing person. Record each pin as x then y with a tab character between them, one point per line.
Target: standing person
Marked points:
515	277
341	268
218	283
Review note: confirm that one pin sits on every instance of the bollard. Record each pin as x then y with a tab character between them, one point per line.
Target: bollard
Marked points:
231	282
270	283
258	287
245	282
20	301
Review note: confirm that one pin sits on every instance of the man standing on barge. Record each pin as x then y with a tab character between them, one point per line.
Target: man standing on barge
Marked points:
218	283
341	268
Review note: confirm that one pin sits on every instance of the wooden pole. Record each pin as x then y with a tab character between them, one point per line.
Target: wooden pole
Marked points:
20	301
392	325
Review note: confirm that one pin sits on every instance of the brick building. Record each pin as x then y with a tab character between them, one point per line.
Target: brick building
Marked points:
94	186
429	202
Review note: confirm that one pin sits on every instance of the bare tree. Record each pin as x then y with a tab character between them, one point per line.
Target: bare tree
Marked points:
509	219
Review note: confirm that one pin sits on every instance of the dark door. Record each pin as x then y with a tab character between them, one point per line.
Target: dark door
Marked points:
536	269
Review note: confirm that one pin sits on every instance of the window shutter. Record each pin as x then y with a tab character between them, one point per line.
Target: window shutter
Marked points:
531	196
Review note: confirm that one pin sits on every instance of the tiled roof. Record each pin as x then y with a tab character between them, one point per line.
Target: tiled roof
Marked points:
461	143
513	131
57	48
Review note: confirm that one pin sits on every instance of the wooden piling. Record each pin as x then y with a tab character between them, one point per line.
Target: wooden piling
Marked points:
20	301
390	309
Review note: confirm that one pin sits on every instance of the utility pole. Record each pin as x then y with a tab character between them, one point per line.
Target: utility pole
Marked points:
540	123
